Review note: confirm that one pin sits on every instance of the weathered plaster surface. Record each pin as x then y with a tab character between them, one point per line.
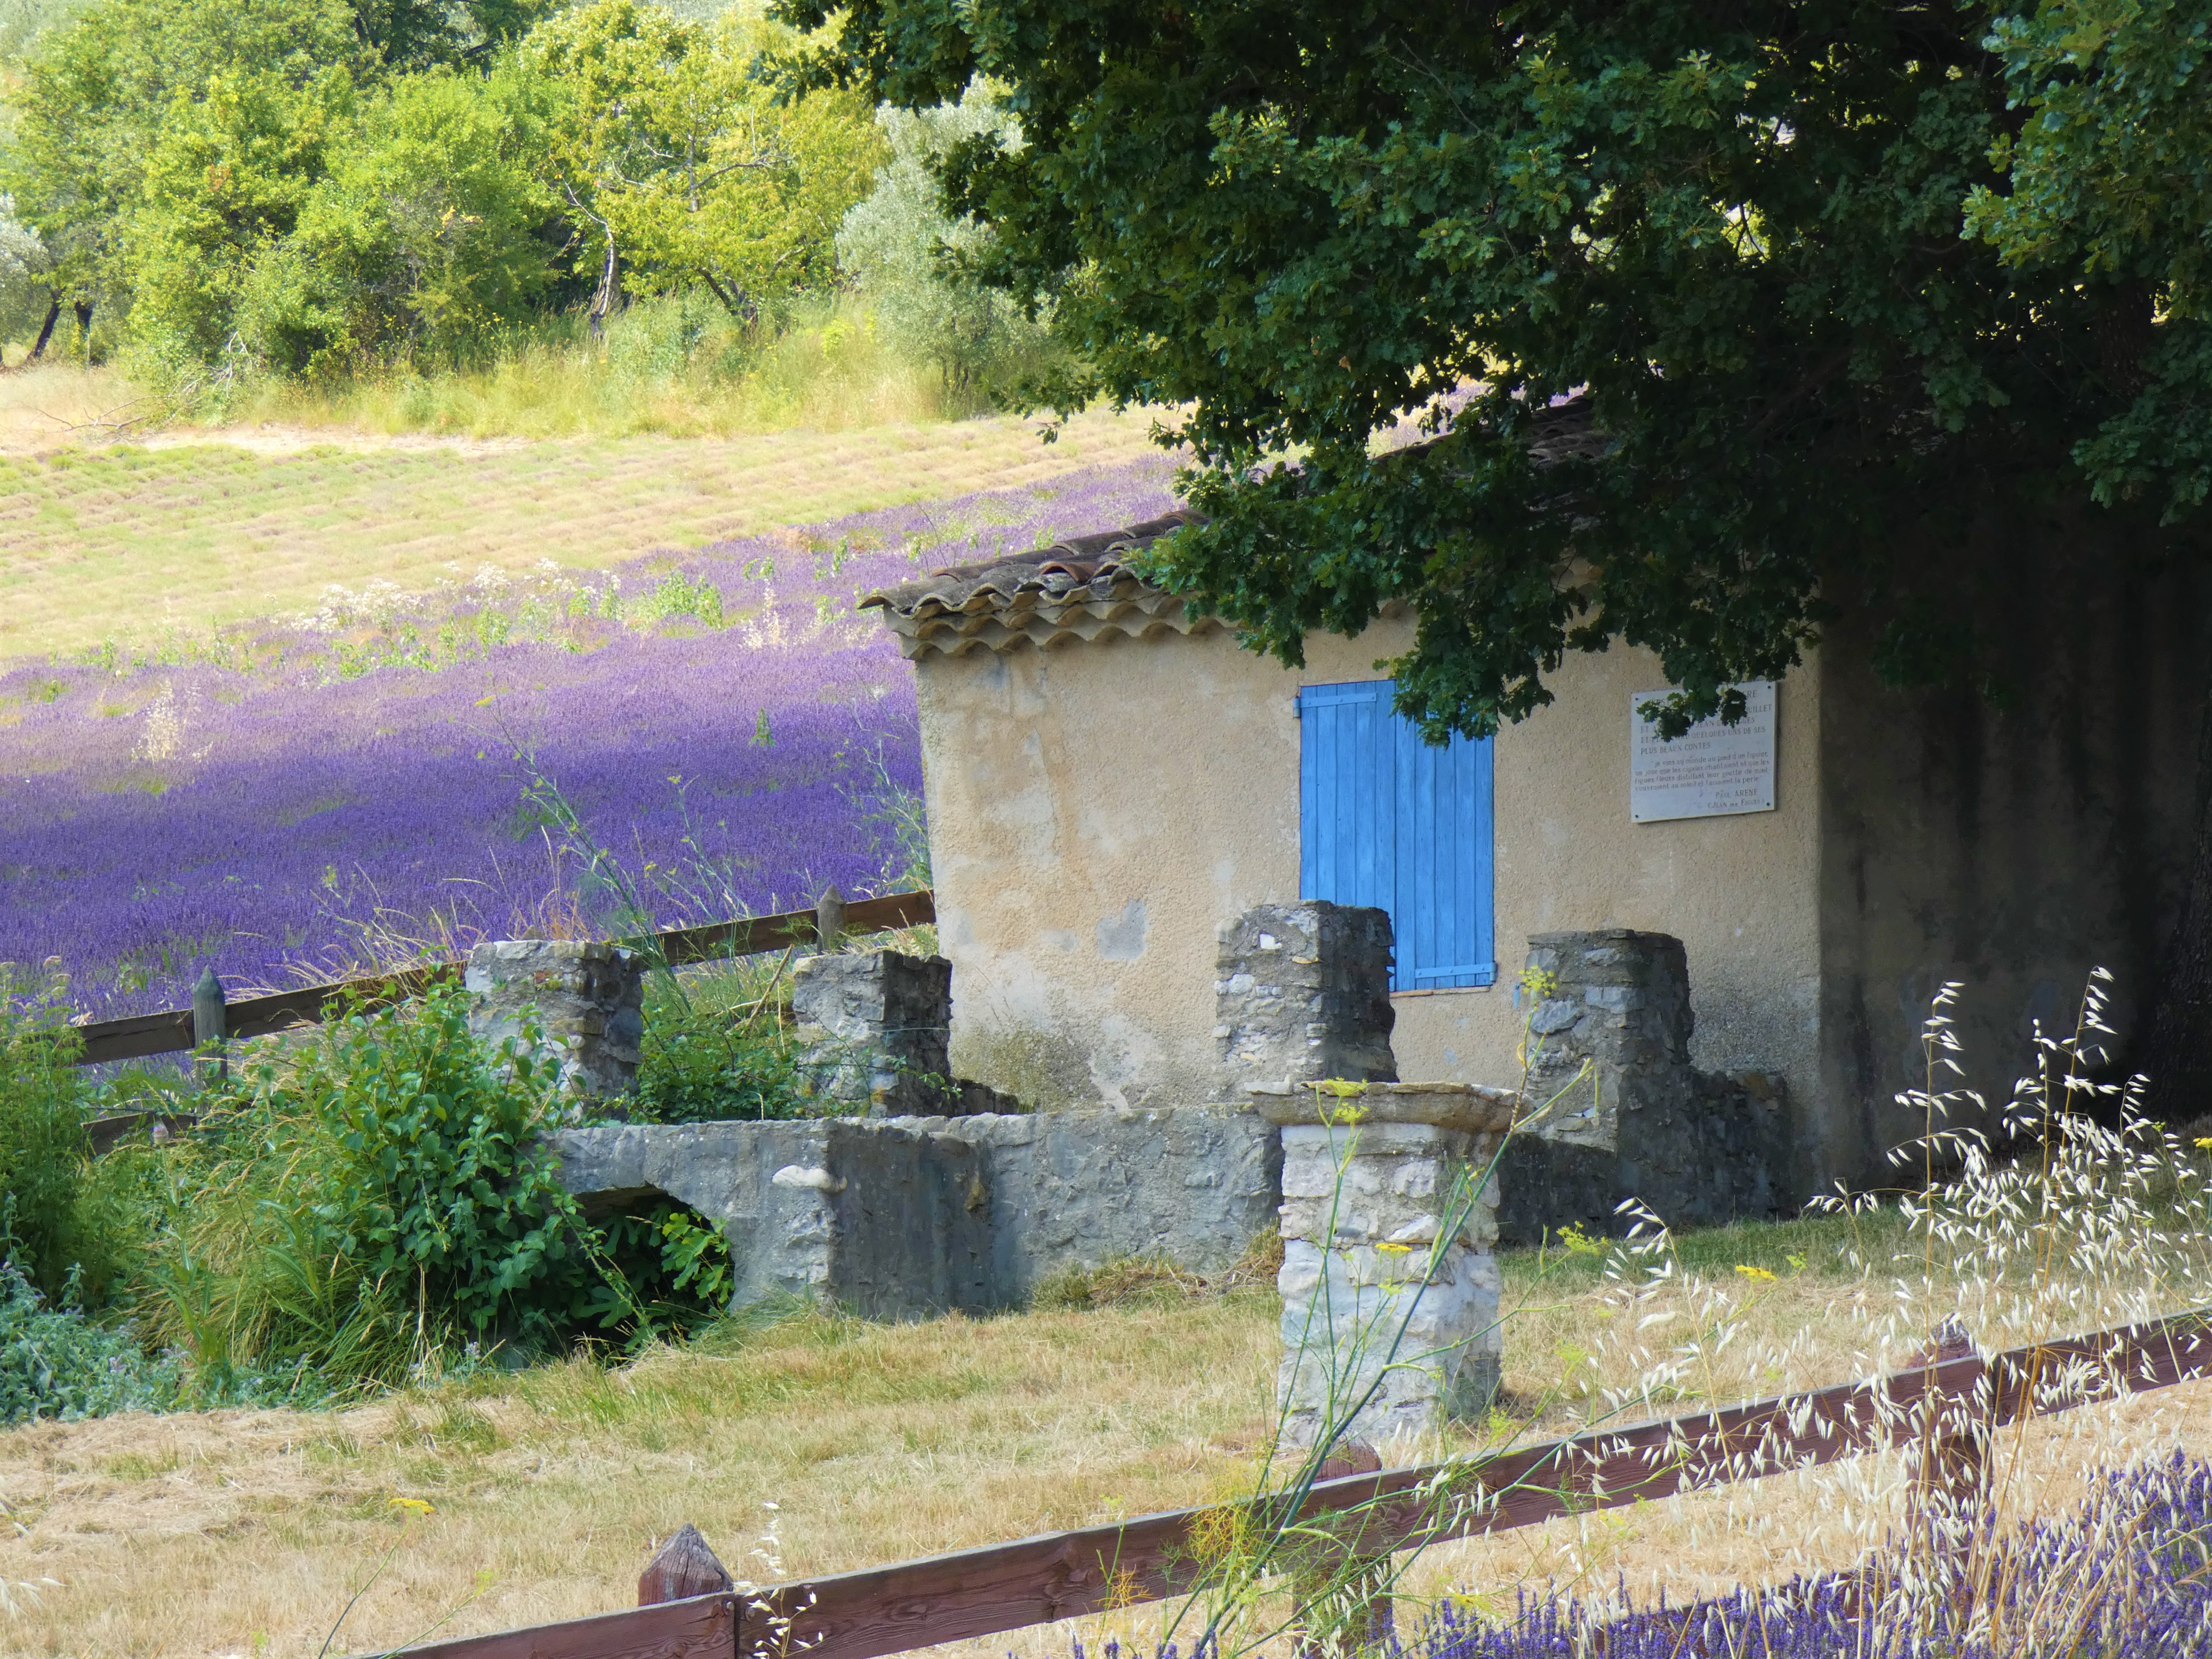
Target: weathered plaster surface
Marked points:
2011	847
1068	785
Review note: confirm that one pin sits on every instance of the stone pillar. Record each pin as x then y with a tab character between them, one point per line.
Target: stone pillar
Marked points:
587	998
874	1027
1620	1004
1302	992
1372	1300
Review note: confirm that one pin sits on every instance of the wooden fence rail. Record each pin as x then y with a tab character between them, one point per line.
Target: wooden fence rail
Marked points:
171	1031
1034	1581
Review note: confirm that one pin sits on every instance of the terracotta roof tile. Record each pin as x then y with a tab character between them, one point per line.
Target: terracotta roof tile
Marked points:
1083	588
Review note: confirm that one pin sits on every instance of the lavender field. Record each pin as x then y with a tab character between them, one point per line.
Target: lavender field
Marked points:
312	797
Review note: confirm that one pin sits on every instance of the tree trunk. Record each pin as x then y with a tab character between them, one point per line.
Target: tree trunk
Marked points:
83	309
45	332
2177	1059
604	300
739	308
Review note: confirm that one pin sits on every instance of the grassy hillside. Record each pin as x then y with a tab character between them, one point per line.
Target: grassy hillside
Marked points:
194	530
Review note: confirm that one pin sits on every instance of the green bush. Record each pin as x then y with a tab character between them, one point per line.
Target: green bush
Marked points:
701	1065
55	1362
909	257
375	1202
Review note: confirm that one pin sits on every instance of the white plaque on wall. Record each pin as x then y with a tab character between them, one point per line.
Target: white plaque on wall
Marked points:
1709	771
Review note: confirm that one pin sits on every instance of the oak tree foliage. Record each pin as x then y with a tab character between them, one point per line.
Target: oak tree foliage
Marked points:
1712	311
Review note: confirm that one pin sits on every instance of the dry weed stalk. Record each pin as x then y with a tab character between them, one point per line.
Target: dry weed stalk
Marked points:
2064	1213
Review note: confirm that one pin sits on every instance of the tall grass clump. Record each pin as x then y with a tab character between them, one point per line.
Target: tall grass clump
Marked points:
677	365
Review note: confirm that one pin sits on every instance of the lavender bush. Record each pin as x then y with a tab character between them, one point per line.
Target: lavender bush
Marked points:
307	798
2126	1575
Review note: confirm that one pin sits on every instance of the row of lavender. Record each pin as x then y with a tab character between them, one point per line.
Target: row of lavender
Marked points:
339	791
2125	1575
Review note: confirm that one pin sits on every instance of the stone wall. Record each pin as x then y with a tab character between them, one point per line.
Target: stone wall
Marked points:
1624	1112
903	1218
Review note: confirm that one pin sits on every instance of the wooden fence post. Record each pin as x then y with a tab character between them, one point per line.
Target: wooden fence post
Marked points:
1953	1474
209	1012
683	1566
1352	1597
829	919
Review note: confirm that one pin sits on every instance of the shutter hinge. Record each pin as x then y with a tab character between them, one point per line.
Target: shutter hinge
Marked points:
1298	705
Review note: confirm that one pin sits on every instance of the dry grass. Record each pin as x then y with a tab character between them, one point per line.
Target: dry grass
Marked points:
195	530
207	1534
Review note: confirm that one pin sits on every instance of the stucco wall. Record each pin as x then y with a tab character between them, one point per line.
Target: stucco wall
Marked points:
2009	845
1097	811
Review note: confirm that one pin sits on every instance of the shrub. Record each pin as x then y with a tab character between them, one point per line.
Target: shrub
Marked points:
702	1072
909	255
55	1362
375	1200
701	1065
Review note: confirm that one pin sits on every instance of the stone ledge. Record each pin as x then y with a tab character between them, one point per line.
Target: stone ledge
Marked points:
1470	1108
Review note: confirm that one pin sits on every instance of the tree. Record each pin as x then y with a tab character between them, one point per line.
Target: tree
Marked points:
677	162
2109	176
225	178
911	258
421	235
98	94
173	142
1701	266
24	292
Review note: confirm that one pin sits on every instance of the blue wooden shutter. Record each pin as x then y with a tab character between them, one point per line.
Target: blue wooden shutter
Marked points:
1441	919
1385	819
1347	756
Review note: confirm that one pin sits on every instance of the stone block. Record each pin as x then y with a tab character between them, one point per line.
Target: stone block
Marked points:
586	998
872	1029
1302	992
1621	1111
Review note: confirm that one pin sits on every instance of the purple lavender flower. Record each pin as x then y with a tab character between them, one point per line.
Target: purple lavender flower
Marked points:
339	784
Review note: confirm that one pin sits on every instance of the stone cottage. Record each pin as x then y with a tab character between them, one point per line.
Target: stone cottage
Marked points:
1109	780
